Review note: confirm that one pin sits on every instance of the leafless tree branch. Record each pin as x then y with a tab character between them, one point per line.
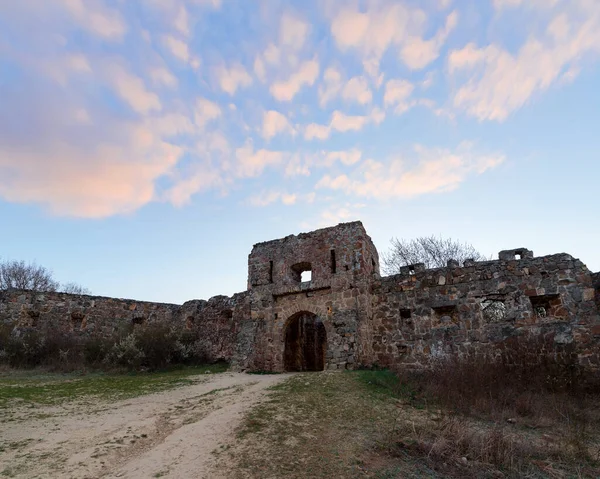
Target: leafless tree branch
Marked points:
433	251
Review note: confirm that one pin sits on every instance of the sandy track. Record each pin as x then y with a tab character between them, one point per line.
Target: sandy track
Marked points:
168	434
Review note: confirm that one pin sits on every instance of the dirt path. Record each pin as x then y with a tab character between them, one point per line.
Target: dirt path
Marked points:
169	434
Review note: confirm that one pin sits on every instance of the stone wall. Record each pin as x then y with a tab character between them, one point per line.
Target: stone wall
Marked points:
596	283
460	310
349	314
101	316
343	262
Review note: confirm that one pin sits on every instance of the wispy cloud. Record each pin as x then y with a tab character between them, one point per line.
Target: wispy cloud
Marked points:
275	123
306	75
343	123
105	110
384	25
431	170
232	78
496	82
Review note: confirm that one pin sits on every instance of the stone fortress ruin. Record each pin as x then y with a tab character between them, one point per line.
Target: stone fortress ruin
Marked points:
346	315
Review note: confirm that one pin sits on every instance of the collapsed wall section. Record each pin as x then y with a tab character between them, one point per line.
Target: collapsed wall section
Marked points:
425	315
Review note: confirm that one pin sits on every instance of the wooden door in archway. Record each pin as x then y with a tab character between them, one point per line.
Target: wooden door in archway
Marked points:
305	343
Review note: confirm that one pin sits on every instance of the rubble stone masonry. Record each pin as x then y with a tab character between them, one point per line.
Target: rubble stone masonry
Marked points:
346	315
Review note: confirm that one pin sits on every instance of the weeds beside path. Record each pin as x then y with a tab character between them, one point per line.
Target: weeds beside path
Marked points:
368	424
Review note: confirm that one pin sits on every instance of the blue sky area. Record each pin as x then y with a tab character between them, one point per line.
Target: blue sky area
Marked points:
146	145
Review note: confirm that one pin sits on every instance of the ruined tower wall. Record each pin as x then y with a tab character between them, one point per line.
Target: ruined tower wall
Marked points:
461	310
343	262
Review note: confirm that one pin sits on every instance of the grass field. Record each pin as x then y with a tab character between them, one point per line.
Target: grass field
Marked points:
36	387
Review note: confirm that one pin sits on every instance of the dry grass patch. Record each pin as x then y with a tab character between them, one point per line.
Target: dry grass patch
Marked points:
374	424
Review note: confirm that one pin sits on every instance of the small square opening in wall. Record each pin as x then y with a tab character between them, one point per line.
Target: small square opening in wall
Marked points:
306	276
545	305
405	313
446	314
301	272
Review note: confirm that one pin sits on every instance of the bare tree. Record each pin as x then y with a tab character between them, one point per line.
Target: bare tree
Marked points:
21	275
433	251
74	288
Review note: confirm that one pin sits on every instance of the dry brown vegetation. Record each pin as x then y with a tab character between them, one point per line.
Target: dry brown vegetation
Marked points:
494	419
472	417
151	347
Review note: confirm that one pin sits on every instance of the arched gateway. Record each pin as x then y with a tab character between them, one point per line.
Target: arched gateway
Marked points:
305	343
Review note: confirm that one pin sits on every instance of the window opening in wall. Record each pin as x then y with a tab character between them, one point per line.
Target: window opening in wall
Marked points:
518	256
270	271
34	315
493	310
411	270
333	265
299	272
405	313
77	319
446	314
138	320
545	305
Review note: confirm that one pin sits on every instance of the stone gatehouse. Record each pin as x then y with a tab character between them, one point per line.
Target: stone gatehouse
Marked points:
317	301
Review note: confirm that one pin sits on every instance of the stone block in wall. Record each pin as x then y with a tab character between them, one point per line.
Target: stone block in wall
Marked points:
412	268
517	253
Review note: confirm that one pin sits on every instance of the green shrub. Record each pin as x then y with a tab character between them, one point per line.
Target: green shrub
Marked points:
125	353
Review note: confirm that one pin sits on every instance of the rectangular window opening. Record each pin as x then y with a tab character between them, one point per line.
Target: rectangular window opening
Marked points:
446	314
333	265
270	271
545	305
405	313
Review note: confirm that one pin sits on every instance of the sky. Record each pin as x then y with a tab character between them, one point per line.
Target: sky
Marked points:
146	145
